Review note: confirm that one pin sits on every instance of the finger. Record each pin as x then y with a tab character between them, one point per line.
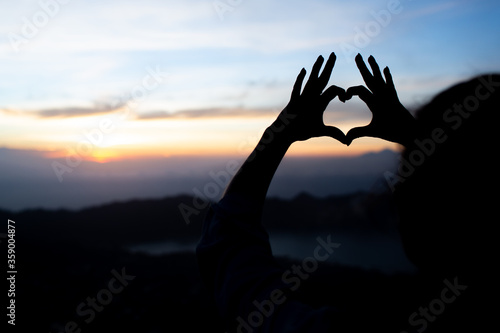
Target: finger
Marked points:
365	72
344	97
335	133
375	69
298	84
327	71
311	82
361	91
332	92
316	67
388	79
357	132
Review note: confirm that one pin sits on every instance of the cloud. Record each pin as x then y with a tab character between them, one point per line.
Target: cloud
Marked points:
207	113
66	112
168	176
72	112
173	25
353	111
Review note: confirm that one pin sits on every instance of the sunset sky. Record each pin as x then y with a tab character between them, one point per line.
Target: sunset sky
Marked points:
109	79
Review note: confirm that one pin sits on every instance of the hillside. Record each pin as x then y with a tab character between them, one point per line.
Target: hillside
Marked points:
139	221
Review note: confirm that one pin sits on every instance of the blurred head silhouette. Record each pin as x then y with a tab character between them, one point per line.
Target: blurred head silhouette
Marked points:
447	202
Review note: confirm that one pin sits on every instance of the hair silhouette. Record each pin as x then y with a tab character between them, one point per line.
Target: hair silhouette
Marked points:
447	206
447	203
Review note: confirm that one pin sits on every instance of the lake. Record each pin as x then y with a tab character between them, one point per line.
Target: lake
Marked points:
374	250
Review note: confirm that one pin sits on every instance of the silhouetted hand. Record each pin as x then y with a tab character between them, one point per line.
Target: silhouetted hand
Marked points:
302	118
391	121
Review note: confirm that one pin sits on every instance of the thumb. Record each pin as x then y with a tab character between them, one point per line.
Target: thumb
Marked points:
335	133
357	132
331	92
361	91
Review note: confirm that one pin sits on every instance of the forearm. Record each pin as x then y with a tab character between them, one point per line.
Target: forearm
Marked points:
256	173
234	255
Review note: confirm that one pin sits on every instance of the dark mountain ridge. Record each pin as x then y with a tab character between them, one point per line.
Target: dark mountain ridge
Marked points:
139	221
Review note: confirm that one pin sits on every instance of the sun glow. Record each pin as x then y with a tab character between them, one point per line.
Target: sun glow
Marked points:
104	155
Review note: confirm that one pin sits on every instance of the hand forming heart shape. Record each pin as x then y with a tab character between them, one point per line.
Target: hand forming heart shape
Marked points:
391	121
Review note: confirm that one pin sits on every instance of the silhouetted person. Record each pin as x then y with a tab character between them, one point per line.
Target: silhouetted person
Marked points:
445	191
234	254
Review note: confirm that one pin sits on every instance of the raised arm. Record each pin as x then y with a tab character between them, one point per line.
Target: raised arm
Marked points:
234	254
300	120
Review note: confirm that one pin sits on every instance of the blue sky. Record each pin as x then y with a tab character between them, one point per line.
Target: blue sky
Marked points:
244	58
204	77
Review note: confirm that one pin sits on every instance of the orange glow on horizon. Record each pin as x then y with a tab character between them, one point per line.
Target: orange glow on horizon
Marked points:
202	137
323	147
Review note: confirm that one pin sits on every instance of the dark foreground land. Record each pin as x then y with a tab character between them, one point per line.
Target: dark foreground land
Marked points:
75	274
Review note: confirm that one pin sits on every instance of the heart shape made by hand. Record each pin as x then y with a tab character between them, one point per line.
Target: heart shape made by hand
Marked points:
390	119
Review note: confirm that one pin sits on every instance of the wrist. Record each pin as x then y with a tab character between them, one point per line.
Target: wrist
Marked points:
277	134
405	127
